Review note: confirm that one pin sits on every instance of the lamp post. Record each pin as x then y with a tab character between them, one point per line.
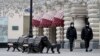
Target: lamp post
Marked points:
30	26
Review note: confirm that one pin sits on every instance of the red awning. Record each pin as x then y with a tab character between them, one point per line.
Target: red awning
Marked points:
58	19
36	20
57	22
47	19
45	23
35	23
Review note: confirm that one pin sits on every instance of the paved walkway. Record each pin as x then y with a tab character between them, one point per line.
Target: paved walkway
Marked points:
64	52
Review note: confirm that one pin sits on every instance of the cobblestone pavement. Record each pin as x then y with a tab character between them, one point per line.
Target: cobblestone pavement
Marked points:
64	52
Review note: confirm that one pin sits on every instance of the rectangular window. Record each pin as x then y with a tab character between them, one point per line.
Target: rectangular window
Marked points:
14	27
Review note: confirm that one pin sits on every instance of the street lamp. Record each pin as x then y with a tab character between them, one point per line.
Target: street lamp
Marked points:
30	26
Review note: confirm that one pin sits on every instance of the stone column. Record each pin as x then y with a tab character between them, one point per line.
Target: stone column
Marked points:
67	20
40	31
59	30
93	13
78	11
60	35
46	32
35	31
35	28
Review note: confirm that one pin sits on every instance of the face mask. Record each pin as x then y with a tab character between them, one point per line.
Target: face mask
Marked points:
87	25
72	25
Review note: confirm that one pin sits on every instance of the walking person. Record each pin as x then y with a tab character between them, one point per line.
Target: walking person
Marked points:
87	35
71	35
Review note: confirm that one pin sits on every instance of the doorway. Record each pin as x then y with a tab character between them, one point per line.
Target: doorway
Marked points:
40	31
52	35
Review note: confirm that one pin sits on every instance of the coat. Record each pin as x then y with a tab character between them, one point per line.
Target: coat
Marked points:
87	33
71	33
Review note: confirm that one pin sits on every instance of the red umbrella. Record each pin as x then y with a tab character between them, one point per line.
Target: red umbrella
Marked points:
58	19
47	19
36	20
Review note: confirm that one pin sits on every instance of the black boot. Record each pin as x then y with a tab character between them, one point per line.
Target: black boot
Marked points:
71	50
90	50
86	50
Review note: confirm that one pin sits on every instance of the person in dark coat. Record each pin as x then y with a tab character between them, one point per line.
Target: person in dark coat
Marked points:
87	35
71	35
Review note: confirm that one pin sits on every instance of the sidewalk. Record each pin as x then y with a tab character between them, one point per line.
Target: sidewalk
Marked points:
64	52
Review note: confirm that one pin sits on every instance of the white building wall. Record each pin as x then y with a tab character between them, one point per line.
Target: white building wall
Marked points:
93	13
16	20
67	21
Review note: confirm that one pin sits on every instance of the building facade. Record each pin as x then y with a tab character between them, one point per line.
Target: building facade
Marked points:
74	11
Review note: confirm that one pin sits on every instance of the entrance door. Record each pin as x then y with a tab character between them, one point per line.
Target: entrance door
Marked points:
53	35
26	25
40	31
